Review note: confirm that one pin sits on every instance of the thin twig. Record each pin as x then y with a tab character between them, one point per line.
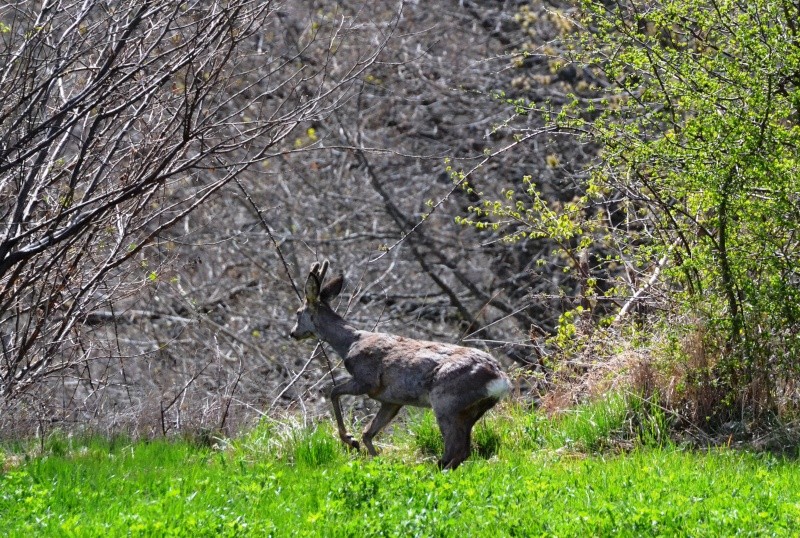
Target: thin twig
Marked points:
291	280
458	184
271	236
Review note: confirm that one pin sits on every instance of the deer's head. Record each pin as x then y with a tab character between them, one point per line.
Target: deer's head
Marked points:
317	300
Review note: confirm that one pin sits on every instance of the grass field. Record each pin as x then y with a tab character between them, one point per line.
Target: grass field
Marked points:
530	477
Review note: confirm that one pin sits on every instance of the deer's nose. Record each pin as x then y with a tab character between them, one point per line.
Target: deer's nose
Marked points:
295	334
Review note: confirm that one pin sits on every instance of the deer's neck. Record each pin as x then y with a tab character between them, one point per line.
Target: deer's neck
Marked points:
333	329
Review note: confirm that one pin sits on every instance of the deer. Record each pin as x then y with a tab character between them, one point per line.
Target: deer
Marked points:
459	383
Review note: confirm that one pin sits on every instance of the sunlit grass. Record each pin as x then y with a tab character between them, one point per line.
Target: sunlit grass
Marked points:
529	475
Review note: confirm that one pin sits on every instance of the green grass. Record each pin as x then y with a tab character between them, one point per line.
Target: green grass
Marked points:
530	476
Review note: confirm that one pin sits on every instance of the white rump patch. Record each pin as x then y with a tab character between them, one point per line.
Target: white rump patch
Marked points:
497	388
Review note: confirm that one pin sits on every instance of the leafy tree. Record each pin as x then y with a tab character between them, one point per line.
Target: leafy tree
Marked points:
697	114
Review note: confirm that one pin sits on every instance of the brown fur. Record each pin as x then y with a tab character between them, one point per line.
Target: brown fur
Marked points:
459	383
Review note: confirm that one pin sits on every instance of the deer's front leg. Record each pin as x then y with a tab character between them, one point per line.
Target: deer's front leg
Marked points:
384	416
351	387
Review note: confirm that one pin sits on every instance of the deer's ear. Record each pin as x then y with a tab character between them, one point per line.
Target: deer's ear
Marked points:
332	288
312	289
322	271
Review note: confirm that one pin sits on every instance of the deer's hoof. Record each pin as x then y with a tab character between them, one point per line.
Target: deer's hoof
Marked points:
448	465
351	442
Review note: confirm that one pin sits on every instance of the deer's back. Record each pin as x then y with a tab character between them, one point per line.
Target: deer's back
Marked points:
404	371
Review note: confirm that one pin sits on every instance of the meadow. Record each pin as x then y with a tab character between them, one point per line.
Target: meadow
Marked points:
597	471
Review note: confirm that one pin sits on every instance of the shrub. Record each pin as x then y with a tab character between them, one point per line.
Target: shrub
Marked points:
695	191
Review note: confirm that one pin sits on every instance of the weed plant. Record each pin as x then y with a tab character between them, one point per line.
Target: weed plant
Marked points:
315	446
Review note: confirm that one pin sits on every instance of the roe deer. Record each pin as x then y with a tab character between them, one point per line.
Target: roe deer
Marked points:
459	383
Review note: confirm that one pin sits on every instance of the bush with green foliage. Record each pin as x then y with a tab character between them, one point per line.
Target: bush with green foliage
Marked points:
705	145
697	182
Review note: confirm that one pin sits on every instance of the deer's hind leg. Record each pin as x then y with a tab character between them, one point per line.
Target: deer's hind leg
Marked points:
456	444
456	417
456	431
